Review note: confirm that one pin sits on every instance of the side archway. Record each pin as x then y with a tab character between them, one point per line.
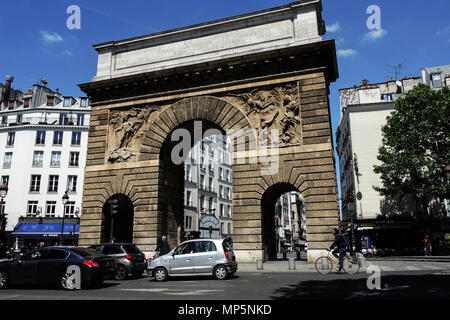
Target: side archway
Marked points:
118	226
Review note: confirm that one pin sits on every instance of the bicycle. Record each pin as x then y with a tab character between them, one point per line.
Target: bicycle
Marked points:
324	264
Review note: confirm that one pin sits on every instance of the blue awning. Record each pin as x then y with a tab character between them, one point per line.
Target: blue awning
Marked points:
45	230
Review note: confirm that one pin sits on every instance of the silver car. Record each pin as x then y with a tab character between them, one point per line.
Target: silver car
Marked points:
194	258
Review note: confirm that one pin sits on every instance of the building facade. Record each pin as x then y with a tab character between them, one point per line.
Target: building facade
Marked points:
43	140
208	186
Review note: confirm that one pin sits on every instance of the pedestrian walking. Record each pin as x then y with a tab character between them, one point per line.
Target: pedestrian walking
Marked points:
163	247
427	245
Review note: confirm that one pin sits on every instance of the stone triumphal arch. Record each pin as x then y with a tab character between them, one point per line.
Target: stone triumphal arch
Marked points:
267	71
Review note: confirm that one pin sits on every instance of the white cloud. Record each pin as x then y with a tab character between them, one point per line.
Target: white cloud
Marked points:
335	27
443	31
346	53
67	53
339	41
374	35
50	38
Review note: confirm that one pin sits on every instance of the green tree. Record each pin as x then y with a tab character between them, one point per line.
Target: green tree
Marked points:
416	148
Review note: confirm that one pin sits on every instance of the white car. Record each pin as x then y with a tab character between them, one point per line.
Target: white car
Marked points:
194	258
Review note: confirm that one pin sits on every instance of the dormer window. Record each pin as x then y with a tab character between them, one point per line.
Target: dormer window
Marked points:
387	97
26	102
436	80
67	102
50	100
83	102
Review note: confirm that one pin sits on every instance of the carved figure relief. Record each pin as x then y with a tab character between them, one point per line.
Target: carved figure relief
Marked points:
126	131
275	109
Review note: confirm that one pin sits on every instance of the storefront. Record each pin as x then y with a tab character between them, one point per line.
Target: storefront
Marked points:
29	232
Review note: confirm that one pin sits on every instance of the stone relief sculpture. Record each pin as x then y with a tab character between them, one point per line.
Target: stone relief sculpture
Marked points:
126	131
275	109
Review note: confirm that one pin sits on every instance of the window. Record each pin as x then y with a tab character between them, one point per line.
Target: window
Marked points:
188	173
72	183
38	158
202	182
76	138
228	211
55	254
185	248
67	102
5	180
436	80
74	159
50	209
10	139
69	209
202	203
189	198
229	228
221	191
32	210
83	102
205	246
220	173
211	184
4	120
50	100
40	137
19	119
26	102
7	160
63	119
210	204
228	175
58	137
53	183
55	160
188	223
80	119
387	97
35	184
222	211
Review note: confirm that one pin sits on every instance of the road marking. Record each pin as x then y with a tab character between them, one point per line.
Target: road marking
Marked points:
191	293
145	290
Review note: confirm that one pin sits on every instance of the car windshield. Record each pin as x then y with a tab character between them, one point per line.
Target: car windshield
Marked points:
87	253
131	248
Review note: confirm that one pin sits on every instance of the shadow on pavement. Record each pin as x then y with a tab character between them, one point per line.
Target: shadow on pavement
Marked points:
399	287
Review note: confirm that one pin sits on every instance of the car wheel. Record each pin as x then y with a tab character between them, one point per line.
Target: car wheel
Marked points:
121	272
68	281
160	274
220	272
3	280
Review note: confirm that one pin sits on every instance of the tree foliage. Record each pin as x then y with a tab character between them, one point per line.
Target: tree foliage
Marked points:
416	147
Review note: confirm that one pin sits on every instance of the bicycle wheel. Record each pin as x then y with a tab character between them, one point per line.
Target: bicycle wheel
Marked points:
351	266
324	265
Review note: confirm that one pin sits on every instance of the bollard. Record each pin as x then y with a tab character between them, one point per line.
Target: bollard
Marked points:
298	255
259	264
291	264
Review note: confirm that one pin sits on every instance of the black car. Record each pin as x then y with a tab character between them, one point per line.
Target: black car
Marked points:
67	267
128	258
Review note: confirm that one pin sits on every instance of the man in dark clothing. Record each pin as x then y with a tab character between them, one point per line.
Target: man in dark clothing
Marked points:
163	247
341	247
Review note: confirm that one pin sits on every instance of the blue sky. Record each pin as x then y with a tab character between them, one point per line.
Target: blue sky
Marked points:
36	43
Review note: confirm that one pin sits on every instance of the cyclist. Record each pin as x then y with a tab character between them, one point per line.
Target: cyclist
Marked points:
341	245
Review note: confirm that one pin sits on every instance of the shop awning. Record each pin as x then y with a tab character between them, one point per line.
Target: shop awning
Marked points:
45	230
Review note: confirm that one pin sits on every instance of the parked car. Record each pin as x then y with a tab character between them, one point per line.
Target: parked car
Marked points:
194	258
128	258
50	266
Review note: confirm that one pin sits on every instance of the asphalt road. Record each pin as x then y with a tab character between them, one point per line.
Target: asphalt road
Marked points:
431	284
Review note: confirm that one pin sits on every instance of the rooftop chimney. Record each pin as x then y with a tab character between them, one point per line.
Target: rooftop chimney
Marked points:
9	80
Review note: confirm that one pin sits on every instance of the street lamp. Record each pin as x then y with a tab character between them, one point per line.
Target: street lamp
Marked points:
3	193
65	200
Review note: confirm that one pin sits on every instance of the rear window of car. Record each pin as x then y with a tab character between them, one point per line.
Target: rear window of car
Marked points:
87	253
131	248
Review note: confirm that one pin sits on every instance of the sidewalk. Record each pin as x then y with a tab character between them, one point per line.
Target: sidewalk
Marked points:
410	258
